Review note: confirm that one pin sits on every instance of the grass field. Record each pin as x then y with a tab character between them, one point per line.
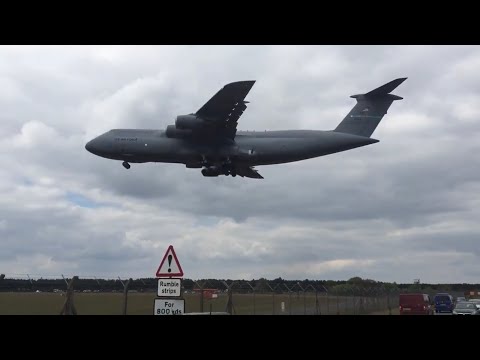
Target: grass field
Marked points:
142	304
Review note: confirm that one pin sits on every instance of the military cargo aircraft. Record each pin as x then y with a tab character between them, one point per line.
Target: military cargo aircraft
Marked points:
208	139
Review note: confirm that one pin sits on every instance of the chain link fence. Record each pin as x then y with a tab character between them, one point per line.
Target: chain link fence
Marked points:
25	294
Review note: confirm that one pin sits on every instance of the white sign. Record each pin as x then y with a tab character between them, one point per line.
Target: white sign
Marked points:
169	266
169	287
169	307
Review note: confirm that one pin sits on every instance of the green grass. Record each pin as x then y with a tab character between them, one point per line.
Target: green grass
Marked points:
142	304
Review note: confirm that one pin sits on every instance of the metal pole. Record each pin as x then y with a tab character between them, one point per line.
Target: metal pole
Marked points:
230	308
290	302
289	298
388	301
338	306
328	307
253	290
125	295
304	299
353	291
273	297
317	312
304	303
201	285
68	306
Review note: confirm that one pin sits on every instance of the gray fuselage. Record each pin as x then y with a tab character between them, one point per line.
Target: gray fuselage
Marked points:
248	148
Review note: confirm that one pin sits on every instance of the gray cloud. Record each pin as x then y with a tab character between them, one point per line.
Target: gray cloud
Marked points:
391	211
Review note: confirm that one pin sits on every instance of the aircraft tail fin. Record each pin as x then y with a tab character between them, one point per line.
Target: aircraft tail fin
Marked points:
369	110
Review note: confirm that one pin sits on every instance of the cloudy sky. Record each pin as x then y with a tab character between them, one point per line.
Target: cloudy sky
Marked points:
407	207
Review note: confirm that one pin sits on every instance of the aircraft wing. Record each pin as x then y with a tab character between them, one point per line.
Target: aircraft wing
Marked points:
247	171
225	108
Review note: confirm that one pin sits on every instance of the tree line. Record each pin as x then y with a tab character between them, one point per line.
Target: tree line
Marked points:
352	286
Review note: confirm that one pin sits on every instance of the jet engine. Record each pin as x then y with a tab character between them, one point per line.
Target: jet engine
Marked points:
189	122
173	132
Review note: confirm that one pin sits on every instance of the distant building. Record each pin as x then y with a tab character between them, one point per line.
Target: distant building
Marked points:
207	293
472	294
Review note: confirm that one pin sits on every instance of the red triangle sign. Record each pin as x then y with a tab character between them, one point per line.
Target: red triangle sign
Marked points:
169	266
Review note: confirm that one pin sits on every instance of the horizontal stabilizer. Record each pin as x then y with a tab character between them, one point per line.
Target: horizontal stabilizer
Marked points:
383	90
371	107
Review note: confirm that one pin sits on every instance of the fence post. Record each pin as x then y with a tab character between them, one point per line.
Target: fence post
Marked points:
253	290
353	303
125	294
273	303
229	308
388	302
273	297
69	306
289	298
338	306
304	298
201	286
328	304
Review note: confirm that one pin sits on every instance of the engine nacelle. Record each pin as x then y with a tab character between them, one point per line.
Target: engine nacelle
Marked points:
173	132
211	171
189	122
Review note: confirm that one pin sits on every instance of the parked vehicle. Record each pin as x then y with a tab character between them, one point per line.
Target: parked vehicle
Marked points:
461	299
466	308
444	303
476	302
415	304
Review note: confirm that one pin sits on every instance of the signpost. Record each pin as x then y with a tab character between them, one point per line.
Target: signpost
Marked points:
169	306
170	266
169	287
169	273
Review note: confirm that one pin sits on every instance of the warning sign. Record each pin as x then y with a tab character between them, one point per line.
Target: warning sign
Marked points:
169	287
169	307
169	266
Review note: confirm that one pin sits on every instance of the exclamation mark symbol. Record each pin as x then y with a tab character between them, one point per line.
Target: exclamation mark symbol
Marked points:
169	263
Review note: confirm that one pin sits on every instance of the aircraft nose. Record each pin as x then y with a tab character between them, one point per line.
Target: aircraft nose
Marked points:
90	146
94	146
100	146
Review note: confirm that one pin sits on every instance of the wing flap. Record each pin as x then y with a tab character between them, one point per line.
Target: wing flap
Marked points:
250	172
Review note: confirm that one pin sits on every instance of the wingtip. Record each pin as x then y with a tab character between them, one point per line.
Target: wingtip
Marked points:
246	83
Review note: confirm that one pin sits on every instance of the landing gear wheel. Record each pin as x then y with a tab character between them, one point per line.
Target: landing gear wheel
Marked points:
126	165
233	173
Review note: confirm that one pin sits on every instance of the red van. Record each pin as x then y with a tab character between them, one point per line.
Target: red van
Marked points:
415	304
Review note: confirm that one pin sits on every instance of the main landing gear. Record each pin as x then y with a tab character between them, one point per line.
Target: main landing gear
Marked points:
126	165
217	170
226	168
